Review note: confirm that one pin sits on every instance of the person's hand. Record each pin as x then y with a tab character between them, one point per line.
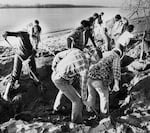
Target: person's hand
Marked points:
116	88
5	35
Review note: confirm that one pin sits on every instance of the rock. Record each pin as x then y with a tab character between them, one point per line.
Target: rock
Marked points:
25	116
126	60
104	125
136	66
6	110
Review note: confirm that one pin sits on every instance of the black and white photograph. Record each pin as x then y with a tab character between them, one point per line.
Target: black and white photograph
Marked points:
74	66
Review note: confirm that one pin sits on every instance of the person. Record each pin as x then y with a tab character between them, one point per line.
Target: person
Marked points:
66	66
91	20
95	22
125	24
36	31
101	37
100	77
124	40
79	38
115	28
24	52
109	23
145	45
95	16
100	20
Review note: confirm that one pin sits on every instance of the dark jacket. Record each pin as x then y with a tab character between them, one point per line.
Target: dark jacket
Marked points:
25	46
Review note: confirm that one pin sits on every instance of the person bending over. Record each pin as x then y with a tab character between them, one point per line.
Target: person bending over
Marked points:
66	66
24	52
100	76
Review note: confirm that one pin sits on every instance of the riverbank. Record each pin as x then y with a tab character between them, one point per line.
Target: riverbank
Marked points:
55	40
49	38
31	111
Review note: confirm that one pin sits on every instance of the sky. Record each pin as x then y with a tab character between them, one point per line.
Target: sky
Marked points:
75	2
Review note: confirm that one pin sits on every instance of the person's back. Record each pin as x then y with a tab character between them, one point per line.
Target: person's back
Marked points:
25	37
75	40
24	45
67	67
78	39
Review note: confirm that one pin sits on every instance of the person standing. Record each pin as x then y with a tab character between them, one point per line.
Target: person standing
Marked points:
66	66
36	31
100	20
24	52
101	37
115	28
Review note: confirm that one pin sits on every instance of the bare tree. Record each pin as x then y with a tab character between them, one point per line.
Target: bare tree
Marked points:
138	9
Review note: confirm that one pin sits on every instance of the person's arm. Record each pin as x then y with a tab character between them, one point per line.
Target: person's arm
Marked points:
70	42
40	29
106	39
92	39
116	73
7	33
58	58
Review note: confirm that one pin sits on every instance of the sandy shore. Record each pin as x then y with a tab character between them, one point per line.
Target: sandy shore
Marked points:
54	40
51	39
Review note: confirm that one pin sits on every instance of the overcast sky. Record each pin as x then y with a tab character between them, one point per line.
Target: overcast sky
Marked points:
76	2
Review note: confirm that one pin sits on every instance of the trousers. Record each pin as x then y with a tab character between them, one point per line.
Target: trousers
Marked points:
103	92
69	91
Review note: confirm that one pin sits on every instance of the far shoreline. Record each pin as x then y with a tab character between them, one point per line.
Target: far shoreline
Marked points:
56	6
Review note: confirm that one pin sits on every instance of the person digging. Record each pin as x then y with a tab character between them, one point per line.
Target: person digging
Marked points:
23	53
